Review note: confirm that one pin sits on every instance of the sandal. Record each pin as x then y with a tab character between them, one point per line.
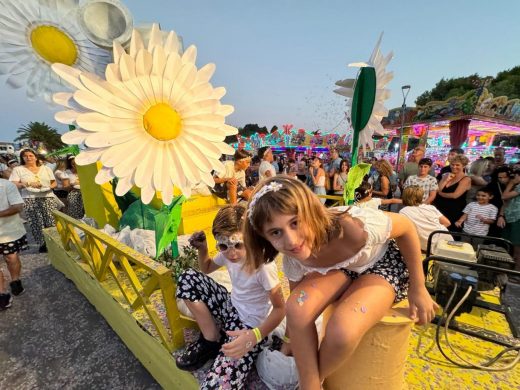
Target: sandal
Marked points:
197	354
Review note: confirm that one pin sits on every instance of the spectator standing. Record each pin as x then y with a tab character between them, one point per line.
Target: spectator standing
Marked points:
317	174
498	185
381	186
411	167
478	216
334	166
509	217
477	170
75	206
13	239
500	156
424	180
276	165
340	178
447	168
451	196
36	182
301	172
265	169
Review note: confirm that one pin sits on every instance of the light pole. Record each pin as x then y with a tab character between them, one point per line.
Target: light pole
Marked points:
405	89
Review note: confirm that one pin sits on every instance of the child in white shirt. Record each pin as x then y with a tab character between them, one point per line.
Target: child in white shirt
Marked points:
425	217
363	197
244	315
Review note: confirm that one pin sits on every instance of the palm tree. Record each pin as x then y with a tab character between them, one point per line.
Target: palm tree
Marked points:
42	133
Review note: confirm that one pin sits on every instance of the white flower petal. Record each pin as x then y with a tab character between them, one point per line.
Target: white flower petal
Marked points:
124	184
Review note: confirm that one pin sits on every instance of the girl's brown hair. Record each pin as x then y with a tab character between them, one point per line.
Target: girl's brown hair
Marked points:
413	196
293	198
228	220
383	167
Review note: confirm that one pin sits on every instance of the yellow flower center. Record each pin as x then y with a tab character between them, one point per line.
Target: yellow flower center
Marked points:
54	45
162	122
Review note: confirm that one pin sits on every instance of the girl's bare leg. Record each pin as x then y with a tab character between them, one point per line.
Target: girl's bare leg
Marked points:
363	304
204	319
307	301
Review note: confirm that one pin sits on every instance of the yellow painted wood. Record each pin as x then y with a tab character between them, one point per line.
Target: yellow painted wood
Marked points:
126	277
150	352
98	200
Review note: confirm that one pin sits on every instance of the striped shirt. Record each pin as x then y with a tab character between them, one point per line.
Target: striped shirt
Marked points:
473	225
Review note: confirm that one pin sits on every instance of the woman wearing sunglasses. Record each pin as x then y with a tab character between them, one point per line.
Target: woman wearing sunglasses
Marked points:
244	315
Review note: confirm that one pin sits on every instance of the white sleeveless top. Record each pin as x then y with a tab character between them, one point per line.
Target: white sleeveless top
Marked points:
320	182
375	223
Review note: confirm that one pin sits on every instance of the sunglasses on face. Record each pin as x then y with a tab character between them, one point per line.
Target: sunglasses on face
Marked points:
224	247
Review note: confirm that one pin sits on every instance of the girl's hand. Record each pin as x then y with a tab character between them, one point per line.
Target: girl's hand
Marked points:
286	349
243	342
422	306
198	240
458	224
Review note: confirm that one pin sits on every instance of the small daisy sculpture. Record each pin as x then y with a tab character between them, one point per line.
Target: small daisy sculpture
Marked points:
36	34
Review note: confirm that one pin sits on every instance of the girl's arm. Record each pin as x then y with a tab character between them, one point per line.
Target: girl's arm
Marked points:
392	201
464	185
444	221
385	187
421	303
246	339
277	313
198	241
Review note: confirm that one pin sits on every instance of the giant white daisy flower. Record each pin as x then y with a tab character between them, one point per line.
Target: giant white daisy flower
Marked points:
377	93
155	122
36	34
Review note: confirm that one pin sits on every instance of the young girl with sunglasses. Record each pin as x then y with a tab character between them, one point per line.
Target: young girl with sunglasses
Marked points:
233	325
345	257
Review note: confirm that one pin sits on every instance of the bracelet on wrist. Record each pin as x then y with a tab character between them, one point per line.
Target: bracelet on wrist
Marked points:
257	334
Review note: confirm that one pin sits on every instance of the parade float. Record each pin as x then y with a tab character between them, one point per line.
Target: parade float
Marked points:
140	109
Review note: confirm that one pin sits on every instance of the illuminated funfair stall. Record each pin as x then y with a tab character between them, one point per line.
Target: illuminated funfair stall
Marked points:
478	122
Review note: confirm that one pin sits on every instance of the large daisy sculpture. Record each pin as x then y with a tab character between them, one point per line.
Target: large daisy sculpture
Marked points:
154	122
366	95
36	34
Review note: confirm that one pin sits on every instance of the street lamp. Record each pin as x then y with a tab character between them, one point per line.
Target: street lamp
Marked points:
405	89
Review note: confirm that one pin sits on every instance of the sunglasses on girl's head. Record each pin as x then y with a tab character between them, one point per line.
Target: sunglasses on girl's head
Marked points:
224	247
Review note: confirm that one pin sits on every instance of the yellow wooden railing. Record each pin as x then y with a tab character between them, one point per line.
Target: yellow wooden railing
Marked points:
136	276
338	200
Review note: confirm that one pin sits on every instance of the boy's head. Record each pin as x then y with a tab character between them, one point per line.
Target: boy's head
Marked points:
425	164
503	175
412	196
484	195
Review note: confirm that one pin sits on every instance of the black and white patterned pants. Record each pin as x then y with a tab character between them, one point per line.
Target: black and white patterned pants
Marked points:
225	373
75	204
39	212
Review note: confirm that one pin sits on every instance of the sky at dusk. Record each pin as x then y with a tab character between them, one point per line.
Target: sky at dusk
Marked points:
279	59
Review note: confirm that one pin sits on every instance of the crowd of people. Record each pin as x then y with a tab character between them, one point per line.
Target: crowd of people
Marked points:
358	258
30	190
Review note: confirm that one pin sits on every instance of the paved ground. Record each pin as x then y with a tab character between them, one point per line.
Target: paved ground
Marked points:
53	338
